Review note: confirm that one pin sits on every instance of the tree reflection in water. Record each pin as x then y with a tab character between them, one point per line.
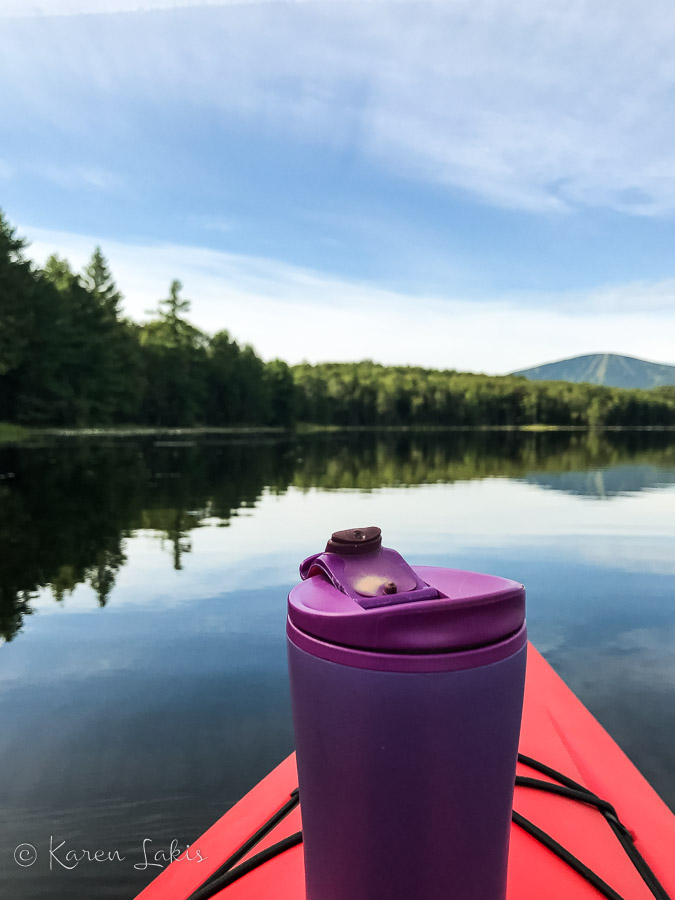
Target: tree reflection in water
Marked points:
70	504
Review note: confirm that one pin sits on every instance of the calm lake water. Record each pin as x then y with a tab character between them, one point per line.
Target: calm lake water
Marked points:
143	585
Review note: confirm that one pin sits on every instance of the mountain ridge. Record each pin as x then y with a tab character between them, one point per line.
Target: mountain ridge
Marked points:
609	369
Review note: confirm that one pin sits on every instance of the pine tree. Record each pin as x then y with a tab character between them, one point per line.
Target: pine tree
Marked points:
171	311
59	272
17	284
175	359
98	280
98	377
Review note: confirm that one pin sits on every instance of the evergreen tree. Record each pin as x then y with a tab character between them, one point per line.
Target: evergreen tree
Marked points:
98	280
280	390
68	358
17	290
175	358
58	271
118	356
171	312
99	372
225	400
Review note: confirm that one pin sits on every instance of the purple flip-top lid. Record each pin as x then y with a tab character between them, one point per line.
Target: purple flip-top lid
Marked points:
362	595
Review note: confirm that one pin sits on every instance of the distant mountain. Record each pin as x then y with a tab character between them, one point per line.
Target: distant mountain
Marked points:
604	368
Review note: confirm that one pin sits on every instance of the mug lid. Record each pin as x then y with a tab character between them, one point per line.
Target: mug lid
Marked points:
375	601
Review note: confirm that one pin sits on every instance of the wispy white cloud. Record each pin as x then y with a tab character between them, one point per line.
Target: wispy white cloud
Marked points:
654	300
536	106
297	314
41	8
74	175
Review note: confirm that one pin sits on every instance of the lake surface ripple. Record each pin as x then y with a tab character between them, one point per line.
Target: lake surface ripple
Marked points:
143	584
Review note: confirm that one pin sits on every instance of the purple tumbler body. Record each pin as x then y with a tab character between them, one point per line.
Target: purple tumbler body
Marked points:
407	717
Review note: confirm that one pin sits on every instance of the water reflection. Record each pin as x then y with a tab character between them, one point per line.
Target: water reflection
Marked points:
66	508
605	483
150	716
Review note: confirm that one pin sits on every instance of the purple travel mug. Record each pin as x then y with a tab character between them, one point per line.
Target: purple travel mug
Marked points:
407	691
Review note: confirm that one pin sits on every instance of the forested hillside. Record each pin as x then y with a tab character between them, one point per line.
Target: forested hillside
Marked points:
68	357
366	393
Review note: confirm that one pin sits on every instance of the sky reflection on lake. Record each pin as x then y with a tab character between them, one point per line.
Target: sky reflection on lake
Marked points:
149	716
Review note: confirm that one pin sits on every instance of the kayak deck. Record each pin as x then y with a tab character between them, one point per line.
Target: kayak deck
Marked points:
556	730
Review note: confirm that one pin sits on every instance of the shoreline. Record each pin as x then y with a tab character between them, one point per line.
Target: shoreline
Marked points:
13	434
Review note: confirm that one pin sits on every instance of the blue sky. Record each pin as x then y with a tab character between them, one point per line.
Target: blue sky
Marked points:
471	184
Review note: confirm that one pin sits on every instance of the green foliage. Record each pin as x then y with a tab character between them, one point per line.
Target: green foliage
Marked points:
171	328
98	281
68	358
58	272
17	317
281	393
174	358
368	394
237	388
11	434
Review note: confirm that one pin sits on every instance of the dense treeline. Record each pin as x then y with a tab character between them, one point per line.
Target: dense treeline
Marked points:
369	394
68	357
